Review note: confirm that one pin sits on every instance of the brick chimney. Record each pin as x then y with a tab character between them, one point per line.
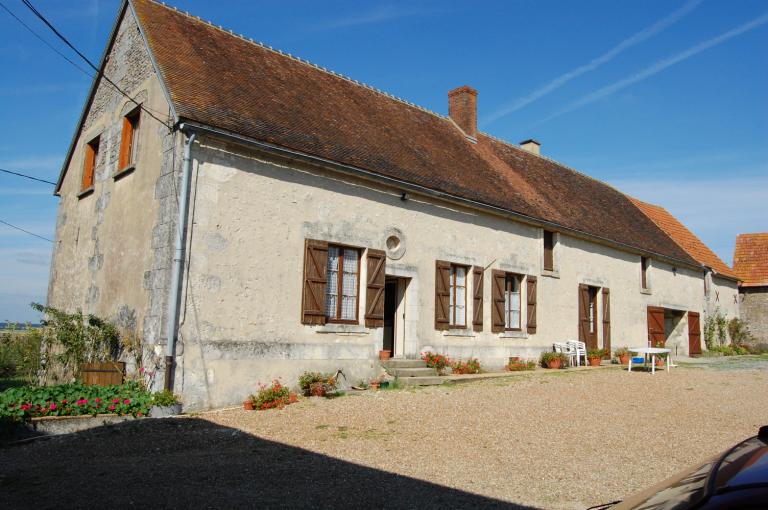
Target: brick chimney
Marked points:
462	108
531	146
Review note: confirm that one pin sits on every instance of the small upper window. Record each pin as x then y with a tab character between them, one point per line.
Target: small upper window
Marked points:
457	304
342	289
549	248
89	166
644	272
128	139
512	302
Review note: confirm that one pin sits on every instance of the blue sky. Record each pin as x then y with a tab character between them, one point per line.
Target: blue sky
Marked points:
666	100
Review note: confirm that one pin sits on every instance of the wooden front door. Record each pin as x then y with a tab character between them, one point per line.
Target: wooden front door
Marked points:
656	335
588	315
694	334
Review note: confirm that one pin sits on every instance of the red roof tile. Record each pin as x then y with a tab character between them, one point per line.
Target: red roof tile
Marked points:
686	239
222	80
750	259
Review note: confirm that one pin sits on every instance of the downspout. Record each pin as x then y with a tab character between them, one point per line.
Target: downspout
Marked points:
178	261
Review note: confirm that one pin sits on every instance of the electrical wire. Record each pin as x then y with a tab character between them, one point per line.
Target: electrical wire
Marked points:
99	72
27	176
26	231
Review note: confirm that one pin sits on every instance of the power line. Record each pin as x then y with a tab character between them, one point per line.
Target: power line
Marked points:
26	231
90	75
27	176
42	18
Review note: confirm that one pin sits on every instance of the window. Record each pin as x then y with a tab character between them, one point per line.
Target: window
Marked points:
128	139
341	290
457	305
549	247
89	166
593	310
644	272
512	302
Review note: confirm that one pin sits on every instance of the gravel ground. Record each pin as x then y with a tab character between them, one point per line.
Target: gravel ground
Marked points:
566	439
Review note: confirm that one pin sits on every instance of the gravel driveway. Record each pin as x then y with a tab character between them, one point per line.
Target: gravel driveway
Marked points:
563	439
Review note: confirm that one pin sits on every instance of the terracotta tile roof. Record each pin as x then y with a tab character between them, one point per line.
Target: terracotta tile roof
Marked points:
687	240
750	259
223	80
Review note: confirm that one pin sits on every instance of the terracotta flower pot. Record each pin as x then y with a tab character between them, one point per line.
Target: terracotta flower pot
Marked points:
375	385
554	363
624	359
384	355
248	405
595	362
660	362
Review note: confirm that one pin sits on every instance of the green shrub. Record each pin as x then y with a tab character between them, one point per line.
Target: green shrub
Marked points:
596	353
273	396
164	399
621	351
714	328
20	353
739	332
28	402
546	357
307	379
471	366
520	365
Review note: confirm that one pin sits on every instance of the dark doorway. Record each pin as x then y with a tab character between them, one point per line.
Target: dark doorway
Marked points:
390	307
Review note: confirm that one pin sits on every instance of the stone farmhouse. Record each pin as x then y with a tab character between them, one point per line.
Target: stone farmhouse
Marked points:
253	215
750	261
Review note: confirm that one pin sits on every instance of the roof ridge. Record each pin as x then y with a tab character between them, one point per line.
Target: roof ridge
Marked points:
301	60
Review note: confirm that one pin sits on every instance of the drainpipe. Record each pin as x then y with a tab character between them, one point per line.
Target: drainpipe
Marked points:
178	261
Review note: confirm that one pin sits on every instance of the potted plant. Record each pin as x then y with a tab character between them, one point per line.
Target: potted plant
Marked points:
622	354
437	361
316	384
375	383
553	359
661	359
248	404
384	354
164	404
595	356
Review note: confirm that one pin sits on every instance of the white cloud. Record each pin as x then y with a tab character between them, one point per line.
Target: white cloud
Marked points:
51	164
659	66
606	57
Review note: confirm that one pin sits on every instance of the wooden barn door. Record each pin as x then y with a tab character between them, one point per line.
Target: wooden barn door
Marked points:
694	334
656	334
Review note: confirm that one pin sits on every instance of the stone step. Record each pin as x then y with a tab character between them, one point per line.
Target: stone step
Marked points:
421	381
404	363
411	372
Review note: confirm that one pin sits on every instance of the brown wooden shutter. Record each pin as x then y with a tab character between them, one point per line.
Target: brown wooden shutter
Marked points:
374	295
315	280
656	334
549	245
694	334
607	322
477	298
530	294
497	301
583	313
126	138
442	293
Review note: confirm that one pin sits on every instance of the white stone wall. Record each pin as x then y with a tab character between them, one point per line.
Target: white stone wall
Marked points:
241	322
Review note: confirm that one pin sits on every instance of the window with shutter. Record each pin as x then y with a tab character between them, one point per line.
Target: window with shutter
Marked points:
549	250
315	281
531	301
644	273
498	283
128	139
442	294
89	166
512	302
341	296
457	299
374	295
477	298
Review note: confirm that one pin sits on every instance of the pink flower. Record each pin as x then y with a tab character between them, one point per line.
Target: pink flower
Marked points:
82	401
116	401
112	407
25	407
141	370
127	401
53	406
64	401
97	400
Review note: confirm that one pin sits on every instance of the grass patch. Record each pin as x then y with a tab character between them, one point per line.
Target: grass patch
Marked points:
322	426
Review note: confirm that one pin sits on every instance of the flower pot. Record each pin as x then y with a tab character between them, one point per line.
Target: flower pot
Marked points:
624	359
384	355
317	389
513	359
659	363
164	411
594	362
375	385
248	405
554	363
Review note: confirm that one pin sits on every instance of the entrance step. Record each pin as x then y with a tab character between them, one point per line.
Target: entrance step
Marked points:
411	372
403	363
421	381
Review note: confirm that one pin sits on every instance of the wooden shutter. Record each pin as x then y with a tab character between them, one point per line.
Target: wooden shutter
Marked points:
89	166
694	334
607	322
126	140
656	333
315	280
442	293
530	295
477	298
498	279
549	245
583	313
374	295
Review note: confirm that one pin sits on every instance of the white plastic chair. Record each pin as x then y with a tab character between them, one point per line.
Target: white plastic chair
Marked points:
581	350
565	349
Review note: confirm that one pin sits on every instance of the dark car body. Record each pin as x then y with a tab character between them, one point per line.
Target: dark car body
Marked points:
735	479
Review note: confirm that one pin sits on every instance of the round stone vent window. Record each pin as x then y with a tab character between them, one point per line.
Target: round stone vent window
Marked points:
394	241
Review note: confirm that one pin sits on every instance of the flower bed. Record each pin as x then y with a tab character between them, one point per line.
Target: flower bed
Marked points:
273	396
471	366
520	366
436	361
317	384
27	402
